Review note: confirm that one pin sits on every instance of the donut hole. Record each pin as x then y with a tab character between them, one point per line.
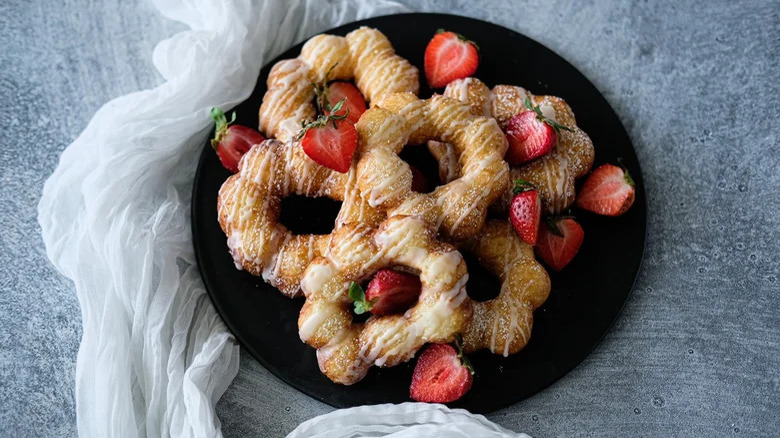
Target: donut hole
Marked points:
482	285
400	308
304	215
419	157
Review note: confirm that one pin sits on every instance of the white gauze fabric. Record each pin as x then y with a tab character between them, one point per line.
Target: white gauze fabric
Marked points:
407	420
155	357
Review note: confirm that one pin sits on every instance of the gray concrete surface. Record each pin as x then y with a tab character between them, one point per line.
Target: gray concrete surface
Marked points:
696	351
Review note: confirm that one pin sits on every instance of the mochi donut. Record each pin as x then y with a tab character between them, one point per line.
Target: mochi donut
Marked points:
503	325
249	205
364	55
346	349
456	209
553	174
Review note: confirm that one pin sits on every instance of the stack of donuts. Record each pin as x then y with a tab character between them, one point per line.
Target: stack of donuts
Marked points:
385	224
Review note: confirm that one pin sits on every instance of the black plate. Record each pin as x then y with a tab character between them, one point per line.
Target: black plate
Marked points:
585	299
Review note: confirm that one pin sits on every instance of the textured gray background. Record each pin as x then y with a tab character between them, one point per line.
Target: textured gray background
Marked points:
696	351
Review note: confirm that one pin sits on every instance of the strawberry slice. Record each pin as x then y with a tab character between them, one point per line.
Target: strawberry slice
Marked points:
232	141
441	375
559	241
353	107
525	211
390	291
330	140
449	56
608	191
530	135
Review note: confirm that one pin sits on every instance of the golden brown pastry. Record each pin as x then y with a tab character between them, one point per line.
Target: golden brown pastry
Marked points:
553	174
503	325
364	54
456	209
249	203
346	350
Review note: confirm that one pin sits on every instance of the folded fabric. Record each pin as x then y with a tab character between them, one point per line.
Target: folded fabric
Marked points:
406	420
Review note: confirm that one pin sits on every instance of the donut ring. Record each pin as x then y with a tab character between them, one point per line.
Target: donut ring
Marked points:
249	205
553	174
456	209
346	350
364	54
503	324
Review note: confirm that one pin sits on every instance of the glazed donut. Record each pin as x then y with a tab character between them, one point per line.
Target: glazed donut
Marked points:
553	174
456	209
503	324
364	54
346	350
249	203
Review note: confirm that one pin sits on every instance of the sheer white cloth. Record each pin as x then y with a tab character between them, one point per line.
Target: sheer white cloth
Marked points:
154	356
407	420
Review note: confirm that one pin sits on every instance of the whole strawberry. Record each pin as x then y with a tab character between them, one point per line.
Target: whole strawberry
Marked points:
531	135
608	191
525	211
232	141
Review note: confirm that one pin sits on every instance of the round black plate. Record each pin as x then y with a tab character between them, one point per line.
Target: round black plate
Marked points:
586	296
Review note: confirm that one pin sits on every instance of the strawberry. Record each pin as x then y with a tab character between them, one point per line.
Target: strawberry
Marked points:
525	211
559	241
388	292
530	135
609	191
419	181
355	104
449	56
330	140
232	141
441	375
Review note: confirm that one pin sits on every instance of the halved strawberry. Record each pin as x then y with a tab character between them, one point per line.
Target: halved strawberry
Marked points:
609	190
232	141
441	375
390	291
449	56
530	135
559	240
355	104
330	140
419	181
525	211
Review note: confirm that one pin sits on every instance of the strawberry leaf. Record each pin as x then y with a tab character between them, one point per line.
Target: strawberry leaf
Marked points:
322	120
462	357
552	225
540	115
358	296
626	176
522	185
221	125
